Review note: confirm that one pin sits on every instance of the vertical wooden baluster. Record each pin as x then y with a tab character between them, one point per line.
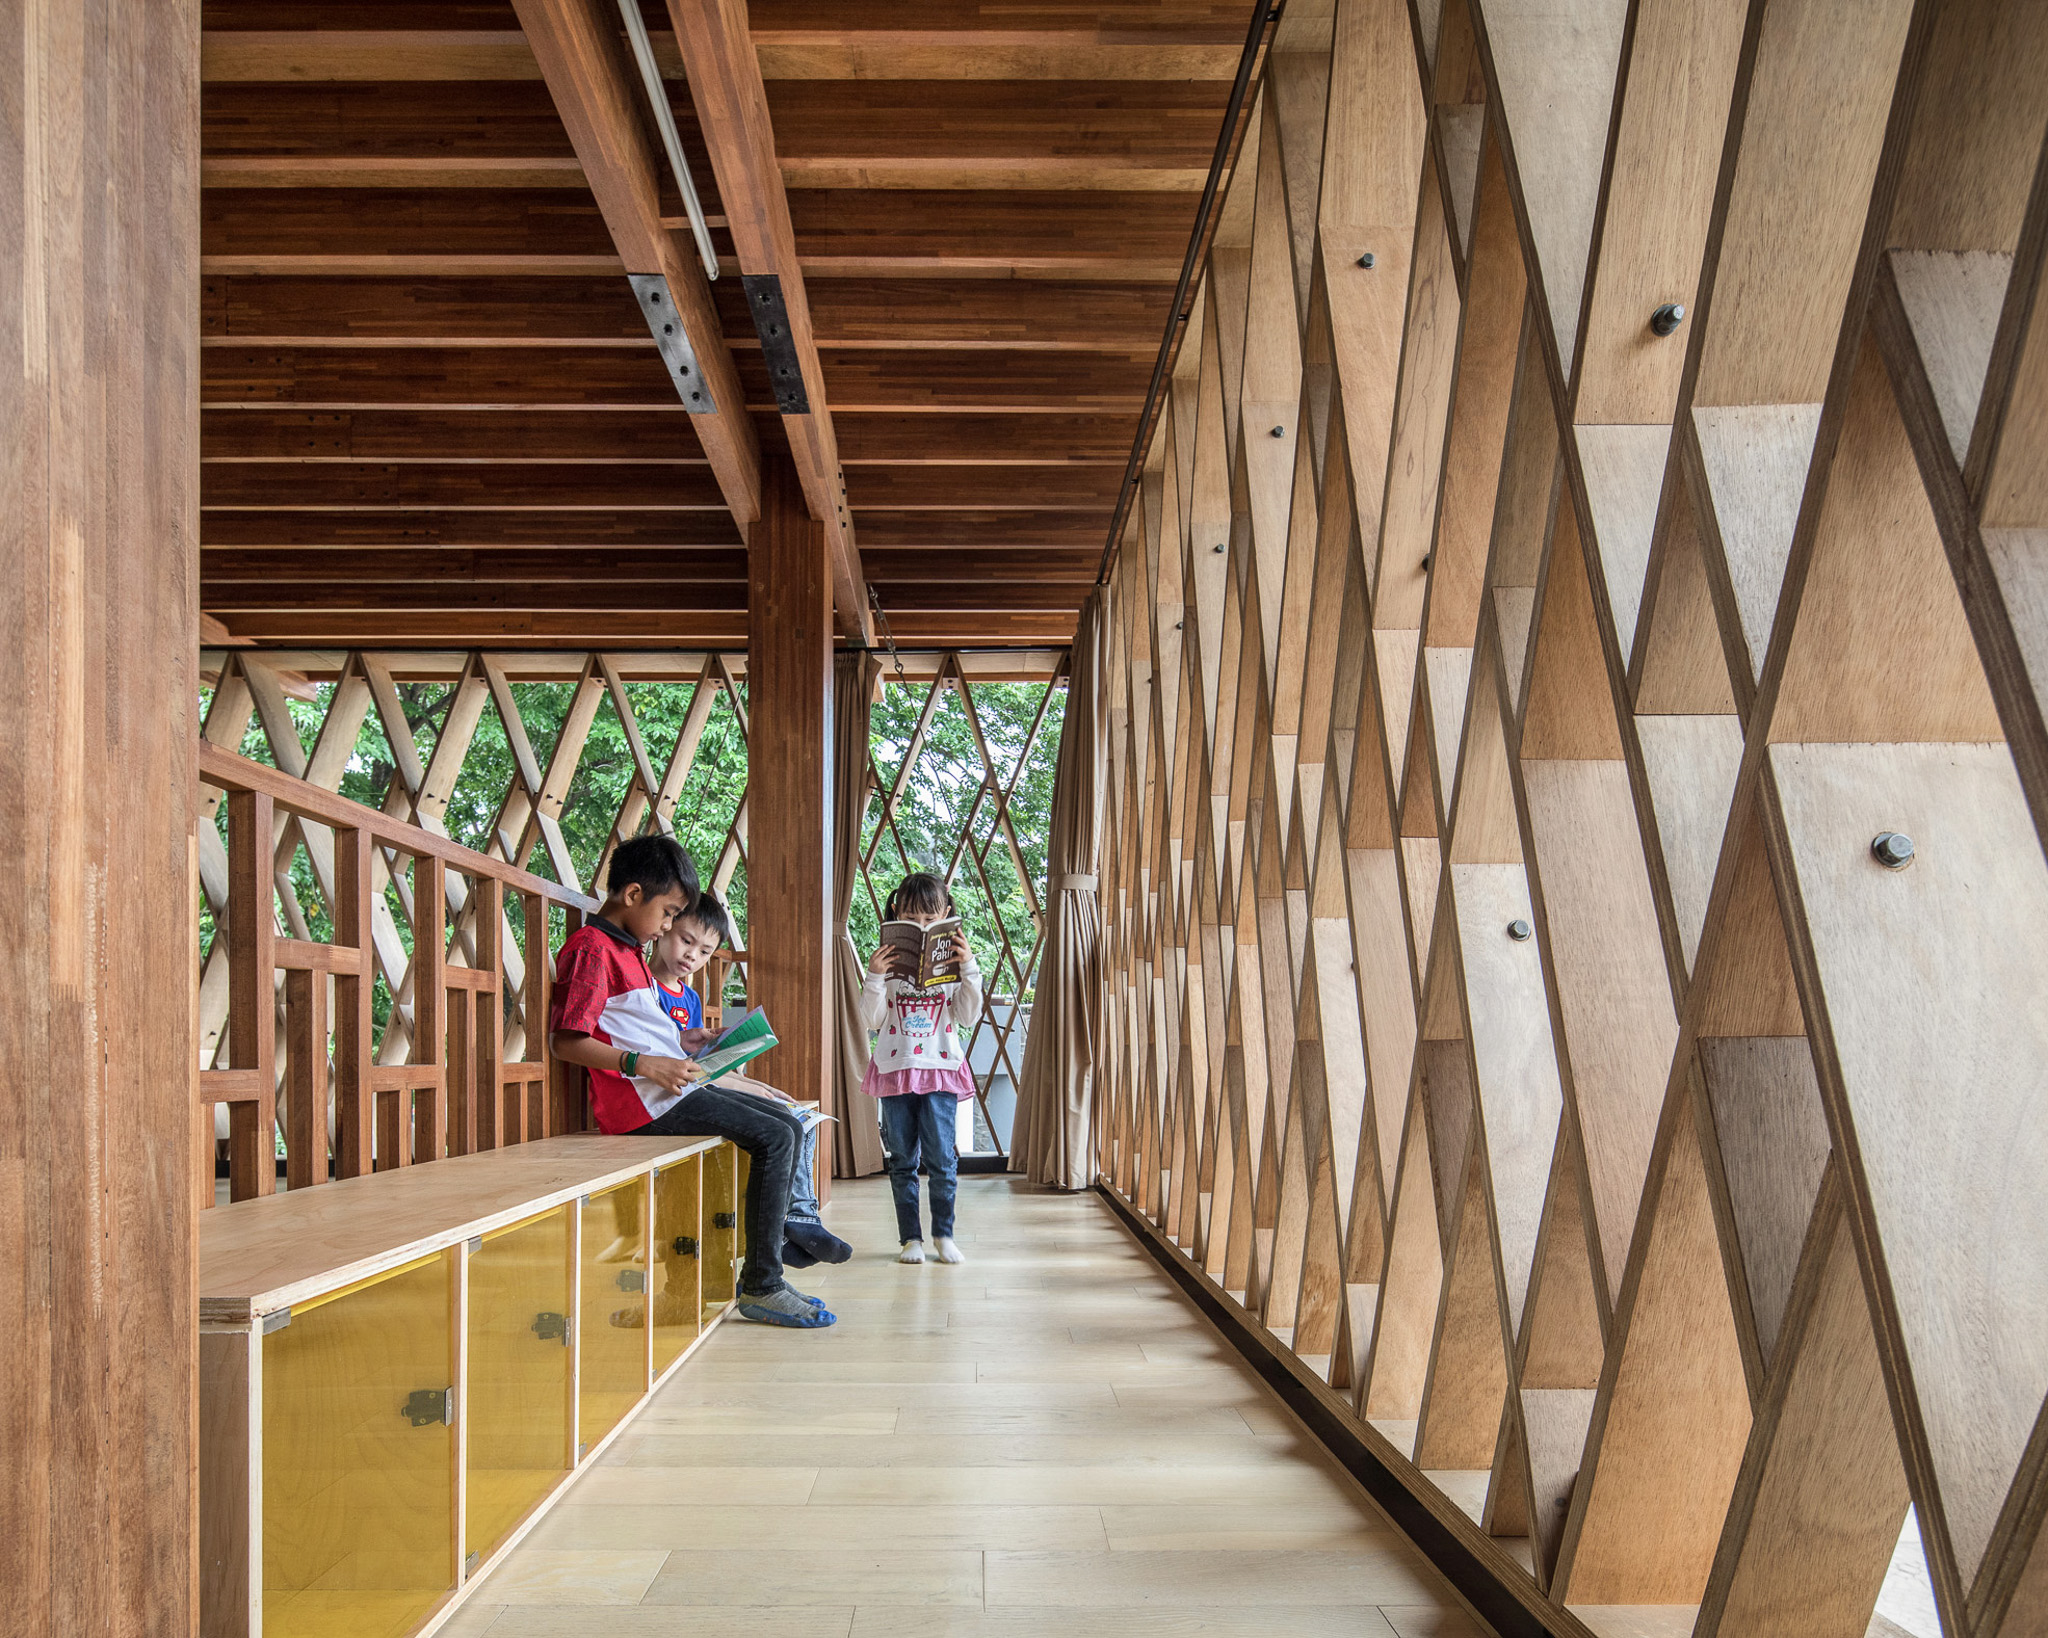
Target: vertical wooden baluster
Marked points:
539	974
461	1090
305	1117
354	1105
487	1008
429	1004
252	1030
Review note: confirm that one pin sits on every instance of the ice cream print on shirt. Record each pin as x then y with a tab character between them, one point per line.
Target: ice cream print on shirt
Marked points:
922	1015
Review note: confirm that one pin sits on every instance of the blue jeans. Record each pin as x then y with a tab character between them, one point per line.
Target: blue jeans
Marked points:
803	1192
914	1125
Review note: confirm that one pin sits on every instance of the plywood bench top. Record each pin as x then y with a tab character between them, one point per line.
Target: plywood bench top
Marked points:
259	1256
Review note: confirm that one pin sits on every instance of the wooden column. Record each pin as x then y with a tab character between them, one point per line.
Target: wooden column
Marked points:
99	630
789	811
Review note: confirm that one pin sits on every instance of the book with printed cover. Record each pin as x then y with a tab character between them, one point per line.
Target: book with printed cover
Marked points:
741	1041
930	949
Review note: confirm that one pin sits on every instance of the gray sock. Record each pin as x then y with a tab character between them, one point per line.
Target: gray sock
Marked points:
784	1301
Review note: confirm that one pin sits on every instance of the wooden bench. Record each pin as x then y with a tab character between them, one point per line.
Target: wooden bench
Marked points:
400	1372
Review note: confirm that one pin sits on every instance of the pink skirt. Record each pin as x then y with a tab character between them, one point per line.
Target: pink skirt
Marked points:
896	1083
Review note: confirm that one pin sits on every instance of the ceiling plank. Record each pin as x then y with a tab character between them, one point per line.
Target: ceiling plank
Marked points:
288	436
591	78
732	115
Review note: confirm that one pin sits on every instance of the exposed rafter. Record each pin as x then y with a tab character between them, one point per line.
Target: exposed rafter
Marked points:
732	109
591	78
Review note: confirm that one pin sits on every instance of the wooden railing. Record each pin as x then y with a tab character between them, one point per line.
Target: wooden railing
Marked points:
459	1087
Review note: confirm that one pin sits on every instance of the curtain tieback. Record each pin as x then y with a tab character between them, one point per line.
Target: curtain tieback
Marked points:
1073	883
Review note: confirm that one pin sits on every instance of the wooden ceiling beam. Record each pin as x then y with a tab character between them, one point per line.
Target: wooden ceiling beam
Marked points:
893	133
401	628
844	53
951	531
733	117
881	438
620	486
625	486
294	437
934	531
952	314
624	628
534	565
602	593
584	60
668	530
553	232
482	378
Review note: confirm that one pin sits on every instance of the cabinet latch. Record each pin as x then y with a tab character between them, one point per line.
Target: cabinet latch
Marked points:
551	1328
725	1219
685	1246
632	1279
426	1406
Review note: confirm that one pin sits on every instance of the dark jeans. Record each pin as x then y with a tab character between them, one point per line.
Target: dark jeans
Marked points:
922	1124
772	1139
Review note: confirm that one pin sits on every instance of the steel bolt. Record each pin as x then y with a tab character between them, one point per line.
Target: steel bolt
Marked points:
1219	546
1279	432
1892	849
1667	318
1365	260
1518	930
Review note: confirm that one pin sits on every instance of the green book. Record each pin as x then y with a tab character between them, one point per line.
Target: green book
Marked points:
741	1041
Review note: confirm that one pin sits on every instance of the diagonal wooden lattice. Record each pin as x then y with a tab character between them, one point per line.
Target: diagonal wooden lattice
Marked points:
1597	514
986	822
459	1063
529	815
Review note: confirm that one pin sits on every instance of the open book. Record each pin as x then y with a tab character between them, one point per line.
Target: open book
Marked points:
745	1038
930	947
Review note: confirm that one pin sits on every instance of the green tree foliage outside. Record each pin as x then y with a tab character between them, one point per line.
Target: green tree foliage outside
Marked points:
935	810
939	805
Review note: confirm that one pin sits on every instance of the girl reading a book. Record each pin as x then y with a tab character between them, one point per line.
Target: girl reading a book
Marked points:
919	1066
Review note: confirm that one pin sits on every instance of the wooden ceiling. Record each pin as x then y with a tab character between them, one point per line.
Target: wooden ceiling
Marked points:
433	412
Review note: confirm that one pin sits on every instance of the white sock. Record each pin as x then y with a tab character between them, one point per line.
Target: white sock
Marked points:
912	1252
947	1251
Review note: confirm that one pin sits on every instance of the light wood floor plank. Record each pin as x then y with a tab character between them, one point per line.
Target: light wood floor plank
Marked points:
1047	1439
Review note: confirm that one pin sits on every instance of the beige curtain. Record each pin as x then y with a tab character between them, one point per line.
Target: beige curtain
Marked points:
856	1143
1053	1140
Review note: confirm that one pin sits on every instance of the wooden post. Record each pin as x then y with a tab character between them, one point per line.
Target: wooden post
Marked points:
99	632
789	705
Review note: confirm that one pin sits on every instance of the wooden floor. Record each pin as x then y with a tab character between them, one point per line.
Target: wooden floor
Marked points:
1046	1439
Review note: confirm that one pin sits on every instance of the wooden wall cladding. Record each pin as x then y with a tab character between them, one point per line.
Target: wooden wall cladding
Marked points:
99	531
1516	999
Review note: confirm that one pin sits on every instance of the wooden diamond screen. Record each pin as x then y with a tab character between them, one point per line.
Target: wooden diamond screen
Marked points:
1522	999
963	791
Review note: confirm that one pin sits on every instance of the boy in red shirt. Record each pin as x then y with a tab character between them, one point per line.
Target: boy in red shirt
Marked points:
607	1016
